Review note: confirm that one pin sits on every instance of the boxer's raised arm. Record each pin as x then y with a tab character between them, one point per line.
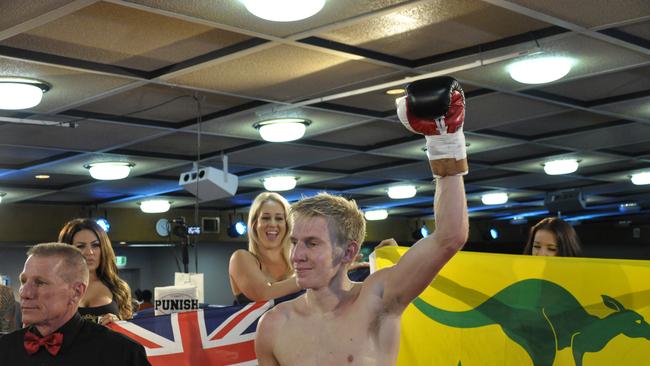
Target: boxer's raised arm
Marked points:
436	108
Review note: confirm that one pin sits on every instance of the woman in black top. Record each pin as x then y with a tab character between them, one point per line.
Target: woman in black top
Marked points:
264	271
108	297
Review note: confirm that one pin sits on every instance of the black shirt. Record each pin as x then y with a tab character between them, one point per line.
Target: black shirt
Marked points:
93	313
84	343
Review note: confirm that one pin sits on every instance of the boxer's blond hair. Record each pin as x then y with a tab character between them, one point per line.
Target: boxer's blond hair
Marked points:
345	220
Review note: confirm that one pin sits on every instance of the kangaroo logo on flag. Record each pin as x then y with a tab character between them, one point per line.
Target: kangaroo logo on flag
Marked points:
543	317
215	336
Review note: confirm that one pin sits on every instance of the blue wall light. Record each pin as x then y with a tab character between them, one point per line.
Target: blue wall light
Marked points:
103	223
237	229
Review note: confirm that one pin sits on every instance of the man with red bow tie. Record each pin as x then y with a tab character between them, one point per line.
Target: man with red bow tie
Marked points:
54	279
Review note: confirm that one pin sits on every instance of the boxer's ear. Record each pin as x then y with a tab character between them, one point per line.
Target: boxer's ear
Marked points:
351	251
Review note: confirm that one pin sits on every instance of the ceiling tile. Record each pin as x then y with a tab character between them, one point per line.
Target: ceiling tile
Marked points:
162	103
87	136
366	135
489	111
598	13
289	156
234	14
555	124
604	86
605	137
108	37
183	143
13	15
517	152
424	30
354	163
281	73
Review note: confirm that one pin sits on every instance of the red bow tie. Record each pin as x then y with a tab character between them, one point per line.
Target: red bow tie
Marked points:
52	343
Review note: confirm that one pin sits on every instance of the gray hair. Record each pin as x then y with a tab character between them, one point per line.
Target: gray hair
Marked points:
74	264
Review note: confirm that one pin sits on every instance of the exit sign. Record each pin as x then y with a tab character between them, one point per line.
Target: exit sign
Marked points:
120	260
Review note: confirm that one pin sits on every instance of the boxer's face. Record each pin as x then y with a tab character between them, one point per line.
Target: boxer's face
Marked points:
45	297
86	241
315	259
545	243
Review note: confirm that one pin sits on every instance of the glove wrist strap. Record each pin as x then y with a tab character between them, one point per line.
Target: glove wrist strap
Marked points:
446	146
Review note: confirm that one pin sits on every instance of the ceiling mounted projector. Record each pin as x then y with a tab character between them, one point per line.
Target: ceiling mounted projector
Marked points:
209	184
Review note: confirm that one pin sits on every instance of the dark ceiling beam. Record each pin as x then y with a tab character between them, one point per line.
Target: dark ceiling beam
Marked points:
207	57
70	62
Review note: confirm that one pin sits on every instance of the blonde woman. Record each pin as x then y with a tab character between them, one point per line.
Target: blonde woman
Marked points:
108	297
264	271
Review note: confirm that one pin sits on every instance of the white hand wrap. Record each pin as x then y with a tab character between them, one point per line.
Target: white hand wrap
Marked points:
446	146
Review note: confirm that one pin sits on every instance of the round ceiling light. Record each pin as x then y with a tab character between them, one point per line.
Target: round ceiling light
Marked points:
640	179
155	206
284	10
21	93
562	166
374	215
109	170
401	192
540	69
282	129
494	198
279	183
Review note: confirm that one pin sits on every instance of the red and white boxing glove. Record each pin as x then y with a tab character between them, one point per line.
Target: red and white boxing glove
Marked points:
435	108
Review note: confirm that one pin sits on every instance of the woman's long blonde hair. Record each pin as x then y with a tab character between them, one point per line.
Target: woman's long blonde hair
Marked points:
253	216
107	269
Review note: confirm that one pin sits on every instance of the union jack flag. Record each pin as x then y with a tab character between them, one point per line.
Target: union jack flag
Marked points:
213	336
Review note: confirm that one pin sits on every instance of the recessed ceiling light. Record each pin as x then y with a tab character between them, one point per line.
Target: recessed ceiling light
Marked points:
279	183
562	166
155	206
282	129
540	69
374	215
42	176
396	91
21	93
497	198
401	192
640	178
109	170
284	10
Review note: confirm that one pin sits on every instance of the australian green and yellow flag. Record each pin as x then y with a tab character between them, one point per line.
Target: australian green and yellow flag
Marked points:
496	309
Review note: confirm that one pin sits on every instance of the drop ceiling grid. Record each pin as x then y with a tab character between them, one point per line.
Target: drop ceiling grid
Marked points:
424	30
126	37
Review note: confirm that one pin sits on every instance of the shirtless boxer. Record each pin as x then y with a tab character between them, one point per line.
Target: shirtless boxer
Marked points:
340	322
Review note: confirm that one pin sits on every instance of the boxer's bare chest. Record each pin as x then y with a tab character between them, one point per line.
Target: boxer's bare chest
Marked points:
349	338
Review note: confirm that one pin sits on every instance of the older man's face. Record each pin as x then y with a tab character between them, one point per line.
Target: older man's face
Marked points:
45	297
